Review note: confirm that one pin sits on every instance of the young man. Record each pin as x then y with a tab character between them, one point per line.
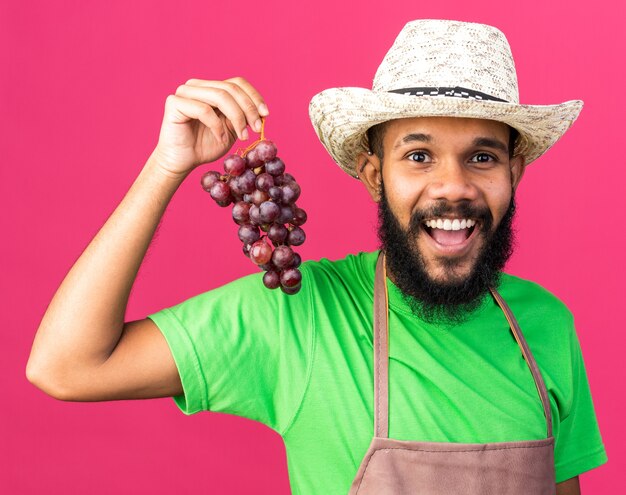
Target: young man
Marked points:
416	351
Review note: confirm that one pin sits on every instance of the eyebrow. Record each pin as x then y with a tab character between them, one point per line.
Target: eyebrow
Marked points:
409	138
491	143
480	141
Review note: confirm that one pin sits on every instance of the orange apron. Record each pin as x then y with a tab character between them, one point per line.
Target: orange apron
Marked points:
440	468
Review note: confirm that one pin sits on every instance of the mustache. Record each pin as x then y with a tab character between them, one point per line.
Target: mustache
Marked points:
460	210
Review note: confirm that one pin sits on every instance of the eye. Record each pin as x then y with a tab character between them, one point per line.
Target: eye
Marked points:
482	158
418	156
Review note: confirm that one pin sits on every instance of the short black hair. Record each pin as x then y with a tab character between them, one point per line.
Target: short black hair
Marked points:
376	134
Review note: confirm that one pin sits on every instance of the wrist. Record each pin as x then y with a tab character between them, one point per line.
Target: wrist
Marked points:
156	166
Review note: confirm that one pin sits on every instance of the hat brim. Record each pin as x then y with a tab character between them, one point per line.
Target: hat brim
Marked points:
342	116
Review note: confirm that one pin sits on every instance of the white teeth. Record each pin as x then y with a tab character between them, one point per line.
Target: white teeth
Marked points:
447	224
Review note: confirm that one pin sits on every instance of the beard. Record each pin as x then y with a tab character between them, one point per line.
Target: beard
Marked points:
444	301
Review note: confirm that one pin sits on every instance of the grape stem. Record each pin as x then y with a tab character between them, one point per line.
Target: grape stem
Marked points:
245	151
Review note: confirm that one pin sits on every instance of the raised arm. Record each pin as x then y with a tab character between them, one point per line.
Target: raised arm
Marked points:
83	349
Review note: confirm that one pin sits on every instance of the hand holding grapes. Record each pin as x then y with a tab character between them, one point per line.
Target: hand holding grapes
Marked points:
202	121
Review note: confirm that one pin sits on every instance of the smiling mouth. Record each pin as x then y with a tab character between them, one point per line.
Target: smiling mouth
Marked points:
450	231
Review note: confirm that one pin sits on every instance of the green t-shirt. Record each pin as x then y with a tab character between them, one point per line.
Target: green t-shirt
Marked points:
302	365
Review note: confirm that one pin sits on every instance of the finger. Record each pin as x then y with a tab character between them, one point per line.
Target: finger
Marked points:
254	95
220	99
239	83
248	106
185	110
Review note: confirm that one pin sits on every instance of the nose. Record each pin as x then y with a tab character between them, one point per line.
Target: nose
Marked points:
452	181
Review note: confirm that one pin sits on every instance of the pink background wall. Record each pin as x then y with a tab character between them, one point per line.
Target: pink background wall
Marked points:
82	91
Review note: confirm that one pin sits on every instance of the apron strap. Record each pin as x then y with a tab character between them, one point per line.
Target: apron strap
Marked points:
528	356
381	353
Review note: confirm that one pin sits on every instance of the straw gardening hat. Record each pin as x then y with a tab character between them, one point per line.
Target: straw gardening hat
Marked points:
439	68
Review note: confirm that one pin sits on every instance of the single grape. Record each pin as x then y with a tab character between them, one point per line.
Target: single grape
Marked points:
286	214
291	290
276	193
248	233
261	252
283	179
275	166
290	277
291	192
299	217
234	165
259	197
252	159
255	215
241	212
277	233
282	257
266	150
271	279
208	179
233	183
297	260
220	191
269	211
264	182
247	182
296	237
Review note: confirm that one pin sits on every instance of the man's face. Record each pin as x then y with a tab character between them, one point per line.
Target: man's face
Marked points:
447	183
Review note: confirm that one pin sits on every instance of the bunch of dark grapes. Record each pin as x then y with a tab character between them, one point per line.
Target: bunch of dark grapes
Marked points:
264	206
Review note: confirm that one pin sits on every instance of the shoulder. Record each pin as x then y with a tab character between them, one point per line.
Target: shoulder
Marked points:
530	300
547	325
323	277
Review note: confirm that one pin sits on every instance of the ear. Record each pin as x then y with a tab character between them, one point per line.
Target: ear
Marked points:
369	173
518	167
